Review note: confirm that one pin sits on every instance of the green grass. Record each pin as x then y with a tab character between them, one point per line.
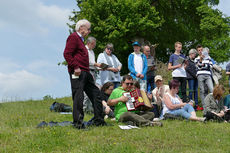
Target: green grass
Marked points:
18	133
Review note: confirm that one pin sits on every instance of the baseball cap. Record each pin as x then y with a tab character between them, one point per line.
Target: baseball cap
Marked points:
158	77
136	43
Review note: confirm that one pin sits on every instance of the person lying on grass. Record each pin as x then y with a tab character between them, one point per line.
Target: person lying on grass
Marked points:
172	104
118	100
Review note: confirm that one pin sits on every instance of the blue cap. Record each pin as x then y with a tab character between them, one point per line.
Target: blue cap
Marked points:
136	43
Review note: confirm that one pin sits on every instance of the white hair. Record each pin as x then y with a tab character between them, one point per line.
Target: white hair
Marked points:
90	39
81	23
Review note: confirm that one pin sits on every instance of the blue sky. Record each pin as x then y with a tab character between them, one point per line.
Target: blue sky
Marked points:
33	35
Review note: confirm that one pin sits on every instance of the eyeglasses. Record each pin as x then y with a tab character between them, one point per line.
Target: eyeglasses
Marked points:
111	49
129	84
89	29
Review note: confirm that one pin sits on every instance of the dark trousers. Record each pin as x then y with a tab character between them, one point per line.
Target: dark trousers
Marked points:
183	85
150	83
85	83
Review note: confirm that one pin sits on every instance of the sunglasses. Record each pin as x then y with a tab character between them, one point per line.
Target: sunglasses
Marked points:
129	84
111	49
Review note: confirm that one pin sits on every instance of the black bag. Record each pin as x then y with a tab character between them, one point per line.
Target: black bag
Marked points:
60	107
213	117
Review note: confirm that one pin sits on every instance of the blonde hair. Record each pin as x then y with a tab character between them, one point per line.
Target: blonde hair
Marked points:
176	43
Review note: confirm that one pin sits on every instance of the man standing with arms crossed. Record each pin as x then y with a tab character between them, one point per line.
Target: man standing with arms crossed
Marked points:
76	55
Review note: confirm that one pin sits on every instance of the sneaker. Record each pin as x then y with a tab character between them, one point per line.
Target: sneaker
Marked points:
160	124
156	119
199	108
203	119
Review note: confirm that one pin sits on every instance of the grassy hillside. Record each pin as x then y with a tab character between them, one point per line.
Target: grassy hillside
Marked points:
18	133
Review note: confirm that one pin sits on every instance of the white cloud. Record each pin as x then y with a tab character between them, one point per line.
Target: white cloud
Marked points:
31	16
8	65
32	80
21	84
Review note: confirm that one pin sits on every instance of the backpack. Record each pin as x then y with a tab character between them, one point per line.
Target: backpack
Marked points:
60	107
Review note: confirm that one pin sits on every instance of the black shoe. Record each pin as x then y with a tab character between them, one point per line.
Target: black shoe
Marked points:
80	127
102	124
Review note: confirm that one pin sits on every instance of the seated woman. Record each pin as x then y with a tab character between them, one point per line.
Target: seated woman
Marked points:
172	104
214	105
106	91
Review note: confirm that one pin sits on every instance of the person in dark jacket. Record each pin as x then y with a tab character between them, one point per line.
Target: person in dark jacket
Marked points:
191	77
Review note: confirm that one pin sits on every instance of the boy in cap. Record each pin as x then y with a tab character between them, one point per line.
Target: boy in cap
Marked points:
138	66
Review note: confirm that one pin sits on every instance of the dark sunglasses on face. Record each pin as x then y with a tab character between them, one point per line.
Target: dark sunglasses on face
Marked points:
110	49
129	84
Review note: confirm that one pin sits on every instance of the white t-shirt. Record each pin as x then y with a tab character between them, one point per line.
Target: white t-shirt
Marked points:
138	63
91	58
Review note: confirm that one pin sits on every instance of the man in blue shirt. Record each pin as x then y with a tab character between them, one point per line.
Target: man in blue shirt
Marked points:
177	64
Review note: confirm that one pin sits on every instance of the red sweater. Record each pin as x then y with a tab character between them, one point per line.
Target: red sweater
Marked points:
75	53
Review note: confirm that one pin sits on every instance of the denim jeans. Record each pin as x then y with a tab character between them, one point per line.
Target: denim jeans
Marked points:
193	90
116	84
229	82
143	84
184	112
204	80
150	84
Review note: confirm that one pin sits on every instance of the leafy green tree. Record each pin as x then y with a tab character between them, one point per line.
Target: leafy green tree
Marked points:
156	21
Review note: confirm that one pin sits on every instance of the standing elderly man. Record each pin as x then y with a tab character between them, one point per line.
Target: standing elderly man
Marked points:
90	45
138	66
76	55
151	68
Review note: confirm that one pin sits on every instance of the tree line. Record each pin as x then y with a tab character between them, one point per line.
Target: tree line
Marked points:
160	22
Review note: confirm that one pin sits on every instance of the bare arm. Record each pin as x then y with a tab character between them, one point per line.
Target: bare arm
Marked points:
113	102
170	67
170	105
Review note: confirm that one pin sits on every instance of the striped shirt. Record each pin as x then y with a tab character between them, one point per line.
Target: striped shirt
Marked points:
204	67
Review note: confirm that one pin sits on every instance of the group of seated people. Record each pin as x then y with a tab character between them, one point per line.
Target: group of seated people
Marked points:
165	101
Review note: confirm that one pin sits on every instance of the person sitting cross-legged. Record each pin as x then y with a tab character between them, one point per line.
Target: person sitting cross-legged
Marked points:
118	100
214	105
172	104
